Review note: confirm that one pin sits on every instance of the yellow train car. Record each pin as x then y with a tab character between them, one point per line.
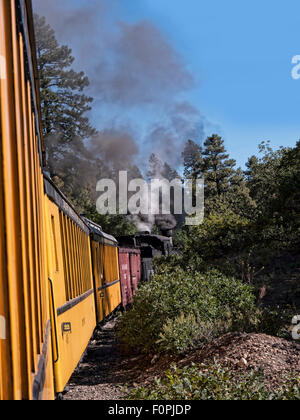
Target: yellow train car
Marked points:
52	272
105	261
71	284
26	370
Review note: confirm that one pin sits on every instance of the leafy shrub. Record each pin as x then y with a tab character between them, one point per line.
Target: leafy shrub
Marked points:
179	334
178	309
276	321
213	383
186	332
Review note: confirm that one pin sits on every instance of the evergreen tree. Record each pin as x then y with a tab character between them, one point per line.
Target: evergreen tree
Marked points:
169	173
217	167
192	160
225	186
155	170
63	103
262	175
158	169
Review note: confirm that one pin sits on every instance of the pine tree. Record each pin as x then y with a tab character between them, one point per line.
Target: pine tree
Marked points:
169	173
217	167
156	165
63	103
192	160
225	186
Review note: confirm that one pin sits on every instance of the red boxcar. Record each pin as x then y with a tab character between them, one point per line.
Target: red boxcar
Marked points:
130	273
135	269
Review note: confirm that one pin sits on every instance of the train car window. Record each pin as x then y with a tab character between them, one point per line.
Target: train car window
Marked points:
101	262
54	243
71	259
88	279
75	257
79	253
111	263
70	278
82	265
64	253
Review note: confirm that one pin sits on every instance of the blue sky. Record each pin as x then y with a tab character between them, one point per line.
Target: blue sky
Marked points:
239	54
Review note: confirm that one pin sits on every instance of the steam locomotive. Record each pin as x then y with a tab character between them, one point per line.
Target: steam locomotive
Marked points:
150	246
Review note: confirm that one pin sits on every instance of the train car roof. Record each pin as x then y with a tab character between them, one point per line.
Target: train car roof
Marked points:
98	234
150	235
63	203
26	27
147	237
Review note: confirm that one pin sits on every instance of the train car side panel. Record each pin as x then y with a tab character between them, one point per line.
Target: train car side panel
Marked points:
25	361
97	250
135	270
72	294
106	274
106	278
75	326
112	297
124	264
15	322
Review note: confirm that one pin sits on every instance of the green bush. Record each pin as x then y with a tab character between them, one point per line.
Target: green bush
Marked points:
276	321
186	332
214	383
178	309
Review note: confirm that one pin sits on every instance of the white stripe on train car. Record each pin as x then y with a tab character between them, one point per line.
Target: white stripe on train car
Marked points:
2	328
2	67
